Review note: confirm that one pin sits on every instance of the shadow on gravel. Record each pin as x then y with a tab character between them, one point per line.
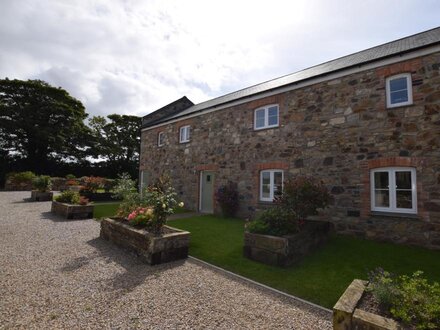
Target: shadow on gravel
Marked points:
56	218
135	272
25	200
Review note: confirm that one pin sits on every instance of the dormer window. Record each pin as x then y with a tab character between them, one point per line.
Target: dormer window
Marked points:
399	90
266	117
185	132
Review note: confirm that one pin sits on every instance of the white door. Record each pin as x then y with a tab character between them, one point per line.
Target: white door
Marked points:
207	192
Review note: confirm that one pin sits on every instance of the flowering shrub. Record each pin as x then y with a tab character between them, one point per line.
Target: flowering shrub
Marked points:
42	183
228	199
410	299
93	183
72	182
83	200
160	198
141	216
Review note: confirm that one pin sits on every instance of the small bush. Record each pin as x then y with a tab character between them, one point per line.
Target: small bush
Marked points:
410	299
69	197
109	184
228	199
141	216
42	183
275	221
304	196
70	177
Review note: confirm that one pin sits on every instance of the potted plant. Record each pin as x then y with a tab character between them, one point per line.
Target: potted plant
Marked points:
387	301
70	205
281	234
141	222
43	185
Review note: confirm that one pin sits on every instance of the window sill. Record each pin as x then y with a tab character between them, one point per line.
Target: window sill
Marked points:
392	107
184	142
265	128
394	214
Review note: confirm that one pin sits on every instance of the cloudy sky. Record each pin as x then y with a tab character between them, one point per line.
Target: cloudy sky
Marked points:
132	57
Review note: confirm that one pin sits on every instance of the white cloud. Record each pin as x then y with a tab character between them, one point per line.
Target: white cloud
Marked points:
136	56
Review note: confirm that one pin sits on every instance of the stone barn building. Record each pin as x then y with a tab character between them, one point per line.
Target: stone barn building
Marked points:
367	125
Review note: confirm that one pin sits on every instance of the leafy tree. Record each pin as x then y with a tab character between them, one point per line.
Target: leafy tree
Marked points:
117	141
40	123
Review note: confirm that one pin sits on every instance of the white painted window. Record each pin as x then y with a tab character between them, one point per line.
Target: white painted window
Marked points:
144	180
271	184
399	90
160	139
185	132
394	189
266	117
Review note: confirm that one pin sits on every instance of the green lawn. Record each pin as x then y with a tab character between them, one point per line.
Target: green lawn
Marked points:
321	277
103	210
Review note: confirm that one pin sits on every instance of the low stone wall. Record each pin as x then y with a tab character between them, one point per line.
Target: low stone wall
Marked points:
70	211
12	186
408	231
346	315
285	251
40	196
172	245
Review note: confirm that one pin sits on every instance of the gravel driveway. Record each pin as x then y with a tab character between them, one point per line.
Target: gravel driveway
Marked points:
59	274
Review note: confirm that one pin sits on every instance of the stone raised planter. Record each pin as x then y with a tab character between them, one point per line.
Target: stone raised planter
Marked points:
346	315
41	196
287	250
70	211
98	197
172	245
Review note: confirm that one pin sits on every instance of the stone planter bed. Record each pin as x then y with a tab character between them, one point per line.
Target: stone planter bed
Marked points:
172	245
348	315
287	250
70	211
41	196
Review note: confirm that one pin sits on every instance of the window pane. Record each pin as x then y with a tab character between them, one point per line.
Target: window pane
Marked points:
188	130
403	180
259	118
265	184
182	134
398	84
381	180
399	97
273	116
404	199
278	183
382	198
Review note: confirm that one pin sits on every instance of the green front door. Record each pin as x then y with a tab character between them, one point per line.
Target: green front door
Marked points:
207	192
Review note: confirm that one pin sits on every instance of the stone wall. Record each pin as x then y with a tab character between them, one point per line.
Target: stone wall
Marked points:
337	131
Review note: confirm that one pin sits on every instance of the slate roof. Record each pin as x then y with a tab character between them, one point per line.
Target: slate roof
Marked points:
393	48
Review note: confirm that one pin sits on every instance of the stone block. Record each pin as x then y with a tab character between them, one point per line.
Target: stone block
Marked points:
69	211
41	196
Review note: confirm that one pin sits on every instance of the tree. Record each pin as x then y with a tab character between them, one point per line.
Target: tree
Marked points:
117	141
39	122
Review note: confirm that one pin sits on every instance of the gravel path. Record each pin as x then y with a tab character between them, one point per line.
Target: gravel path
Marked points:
59	274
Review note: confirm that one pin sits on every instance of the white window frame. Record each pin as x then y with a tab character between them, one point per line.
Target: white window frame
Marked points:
272	184
160	142
392	191
409	90
186	136
266	117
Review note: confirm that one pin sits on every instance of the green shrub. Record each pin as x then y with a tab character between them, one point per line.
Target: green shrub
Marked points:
42	183
228	199
69	197
70	177
275	221
21	177
93	183
410	299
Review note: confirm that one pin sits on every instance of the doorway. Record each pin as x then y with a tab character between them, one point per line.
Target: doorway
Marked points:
207	191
